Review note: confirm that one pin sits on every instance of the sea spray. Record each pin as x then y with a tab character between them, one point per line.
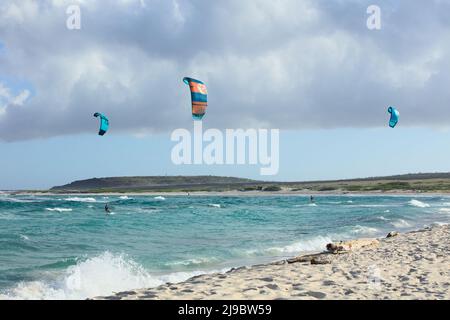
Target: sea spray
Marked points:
419	204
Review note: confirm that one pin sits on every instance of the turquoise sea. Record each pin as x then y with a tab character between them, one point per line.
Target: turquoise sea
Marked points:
66	247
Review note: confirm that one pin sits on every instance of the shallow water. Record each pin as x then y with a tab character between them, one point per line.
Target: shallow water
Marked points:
65	247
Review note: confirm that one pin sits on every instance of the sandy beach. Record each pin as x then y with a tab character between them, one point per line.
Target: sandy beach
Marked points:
413	265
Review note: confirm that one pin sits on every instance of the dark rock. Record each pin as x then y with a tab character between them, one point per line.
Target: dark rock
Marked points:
316	294
267	279
392	234
187	290
273	286
125	293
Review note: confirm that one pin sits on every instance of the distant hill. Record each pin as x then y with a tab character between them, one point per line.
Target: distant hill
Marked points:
418	182
151	183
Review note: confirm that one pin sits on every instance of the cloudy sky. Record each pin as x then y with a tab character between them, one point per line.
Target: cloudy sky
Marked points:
309	68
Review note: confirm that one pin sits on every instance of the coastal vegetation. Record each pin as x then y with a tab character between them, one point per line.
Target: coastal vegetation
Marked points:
420	182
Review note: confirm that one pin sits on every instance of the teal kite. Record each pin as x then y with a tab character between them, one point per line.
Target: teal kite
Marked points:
104	123
394	116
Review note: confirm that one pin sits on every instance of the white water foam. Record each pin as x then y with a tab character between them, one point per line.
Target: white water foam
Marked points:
125	198
308	245
400	223
77	199
364	230
24	237
159	198
214	205
59	209
193	261
419	204
98	276
8	199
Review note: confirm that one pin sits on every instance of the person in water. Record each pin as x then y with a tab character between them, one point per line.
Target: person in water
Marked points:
311	198
107	208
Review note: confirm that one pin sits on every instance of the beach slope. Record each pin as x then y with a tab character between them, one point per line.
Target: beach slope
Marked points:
413	265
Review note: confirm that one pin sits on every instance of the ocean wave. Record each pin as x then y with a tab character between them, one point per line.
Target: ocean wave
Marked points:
77	199
9	199
445	210
364	230
371	205
24	237
400	223
148	210
419	204
305	205
383	218
308	245
214	205
159	198
125	198
439	224
193	261
97	276
59	209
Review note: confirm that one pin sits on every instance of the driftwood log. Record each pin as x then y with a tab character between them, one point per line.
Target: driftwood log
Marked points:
318	258
347	246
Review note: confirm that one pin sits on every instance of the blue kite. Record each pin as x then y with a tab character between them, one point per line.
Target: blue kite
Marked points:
104	123
394	117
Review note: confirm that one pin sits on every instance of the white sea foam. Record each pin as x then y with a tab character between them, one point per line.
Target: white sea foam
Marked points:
400	223
371	205
383	218
364	230
8	199
193	261
24	237
439	224
125	198
307	245
312	205
98	276
444	210
159	198
214	205
77	199
419	204
59	209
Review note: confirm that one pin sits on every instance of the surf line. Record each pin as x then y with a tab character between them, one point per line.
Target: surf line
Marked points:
237	150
